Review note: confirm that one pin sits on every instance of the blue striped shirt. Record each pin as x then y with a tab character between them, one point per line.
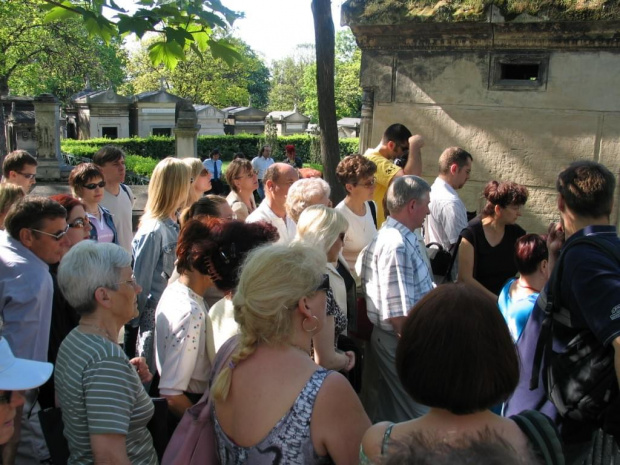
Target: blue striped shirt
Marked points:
394	273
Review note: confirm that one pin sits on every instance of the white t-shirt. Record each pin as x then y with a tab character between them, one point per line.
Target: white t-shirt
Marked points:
448	216
261	164
222	316
121	208
359	234
286	227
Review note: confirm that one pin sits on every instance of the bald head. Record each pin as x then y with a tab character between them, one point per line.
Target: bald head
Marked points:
277	180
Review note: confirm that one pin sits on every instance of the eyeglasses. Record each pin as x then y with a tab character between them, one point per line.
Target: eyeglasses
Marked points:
79	223
250	175
368	184
132	282
92	186
27	175
324	285
6	397
56	236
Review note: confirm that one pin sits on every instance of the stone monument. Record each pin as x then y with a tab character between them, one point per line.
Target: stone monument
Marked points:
47	129
186	129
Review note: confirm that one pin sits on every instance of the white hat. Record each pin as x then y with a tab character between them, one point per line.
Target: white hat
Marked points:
17	374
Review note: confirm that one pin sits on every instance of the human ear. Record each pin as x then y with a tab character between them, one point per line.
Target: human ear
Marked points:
25	237
102	297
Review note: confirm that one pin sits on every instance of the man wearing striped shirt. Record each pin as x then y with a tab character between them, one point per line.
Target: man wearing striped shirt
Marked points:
395	277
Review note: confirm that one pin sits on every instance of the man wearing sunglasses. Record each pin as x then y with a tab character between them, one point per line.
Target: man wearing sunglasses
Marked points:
35	237
20	168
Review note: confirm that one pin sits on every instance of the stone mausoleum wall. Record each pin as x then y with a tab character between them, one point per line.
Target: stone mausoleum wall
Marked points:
525	97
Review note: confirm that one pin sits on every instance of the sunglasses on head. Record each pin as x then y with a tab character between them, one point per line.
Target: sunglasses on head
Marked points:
93	185
56	236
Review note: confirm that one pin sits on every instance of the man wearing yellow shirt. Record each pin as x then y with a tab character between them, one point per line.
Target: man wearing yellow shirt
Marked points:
397	142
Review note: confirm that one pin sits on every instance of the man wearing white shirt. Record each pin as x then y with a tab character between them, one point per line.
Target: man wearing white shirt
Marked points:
278	179
117	197
448	215
260	164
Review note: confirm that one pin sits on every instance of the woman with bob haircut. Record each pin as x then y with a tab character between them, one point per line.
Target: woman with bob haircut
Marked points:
243	181
106	421
323	228
357	174
304	193
183	332
518	296
456	356
315	416
155	243
87	184
200	179
485	255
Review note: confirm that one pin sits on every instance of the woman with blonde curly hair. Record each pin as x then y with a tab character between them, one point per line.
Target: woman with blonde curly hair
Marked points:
243	181
200	179
154	247
323	228
316	416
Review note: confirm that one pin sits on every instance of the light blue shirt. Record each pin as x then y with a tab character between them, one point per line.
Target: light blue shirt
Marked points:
154	252
515	312
26	294
394	273
210	165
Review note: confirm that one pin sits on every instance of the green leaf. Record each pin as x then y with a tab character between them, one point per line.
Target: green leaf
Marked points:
201	39
225	51
178	35
168	53
58	12
99	26
132	24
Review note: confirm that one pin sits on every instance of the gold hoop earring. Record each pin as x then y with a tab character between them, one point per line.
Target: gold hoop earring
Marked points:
315	326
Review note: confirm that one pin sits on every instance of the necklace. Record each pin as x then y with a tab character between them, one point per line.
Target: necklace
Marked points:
299	348
527	287
100	330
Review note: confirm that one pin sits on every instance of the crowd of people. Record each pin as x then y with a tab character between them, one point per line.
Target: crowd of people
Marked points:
256	290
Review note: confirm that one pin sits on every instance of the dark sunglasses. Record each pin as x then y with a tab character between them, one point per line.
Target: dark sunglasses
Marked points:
56	236
79	223
92	186
6	397
324	286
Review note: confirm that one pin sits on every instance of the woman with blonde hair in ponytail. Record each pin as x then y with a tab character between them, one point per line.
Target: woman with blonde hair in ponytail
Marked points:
272	402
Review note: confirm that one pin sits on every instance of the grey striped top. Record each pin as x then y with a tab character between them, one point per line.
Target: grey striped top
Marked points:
100	393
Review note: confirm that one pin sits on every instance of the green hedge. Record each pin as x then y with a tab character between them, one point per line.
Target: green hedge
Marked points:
161	147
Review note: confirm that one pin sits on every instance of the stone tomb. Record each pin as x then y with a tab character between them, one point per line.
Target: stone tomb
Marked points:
526	94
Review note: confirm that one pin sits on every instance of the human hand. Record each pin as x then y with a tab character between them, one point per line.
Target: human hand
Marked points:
416	141
142	368
555	239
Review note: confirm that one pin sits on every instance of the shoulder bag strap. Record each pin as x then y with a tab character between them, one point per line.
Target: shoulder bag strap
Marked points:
542	434
373	211
454	250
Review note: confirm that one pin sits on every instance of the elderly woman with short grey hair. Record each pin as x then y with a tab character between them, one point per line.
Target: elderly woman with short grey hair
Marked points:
306	192
94	379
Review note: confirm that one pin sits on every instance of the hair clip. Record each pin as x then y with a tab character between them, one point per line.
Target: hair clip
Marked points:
231	365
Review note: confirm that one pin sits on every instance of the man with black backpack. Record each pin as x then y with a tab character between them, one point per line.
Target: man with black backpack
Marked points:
572	339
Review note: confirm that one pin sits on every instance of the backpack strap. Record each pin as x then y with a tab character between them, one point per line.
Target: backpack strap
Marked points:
124	187
373	211
454	250
542	434
548	301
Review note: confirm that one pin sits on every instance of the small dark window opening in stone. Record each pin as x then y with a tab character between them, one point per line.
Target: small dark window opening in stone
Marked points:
167	132
520	71
109	132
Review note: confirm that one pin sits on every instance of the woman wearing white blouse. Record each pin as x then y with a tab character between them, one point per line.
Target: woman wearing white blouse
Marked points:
357	175
184	347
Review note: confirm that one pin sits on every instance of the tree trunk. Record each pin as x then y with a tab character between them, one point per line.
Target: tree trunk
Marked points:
325	43
4	91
